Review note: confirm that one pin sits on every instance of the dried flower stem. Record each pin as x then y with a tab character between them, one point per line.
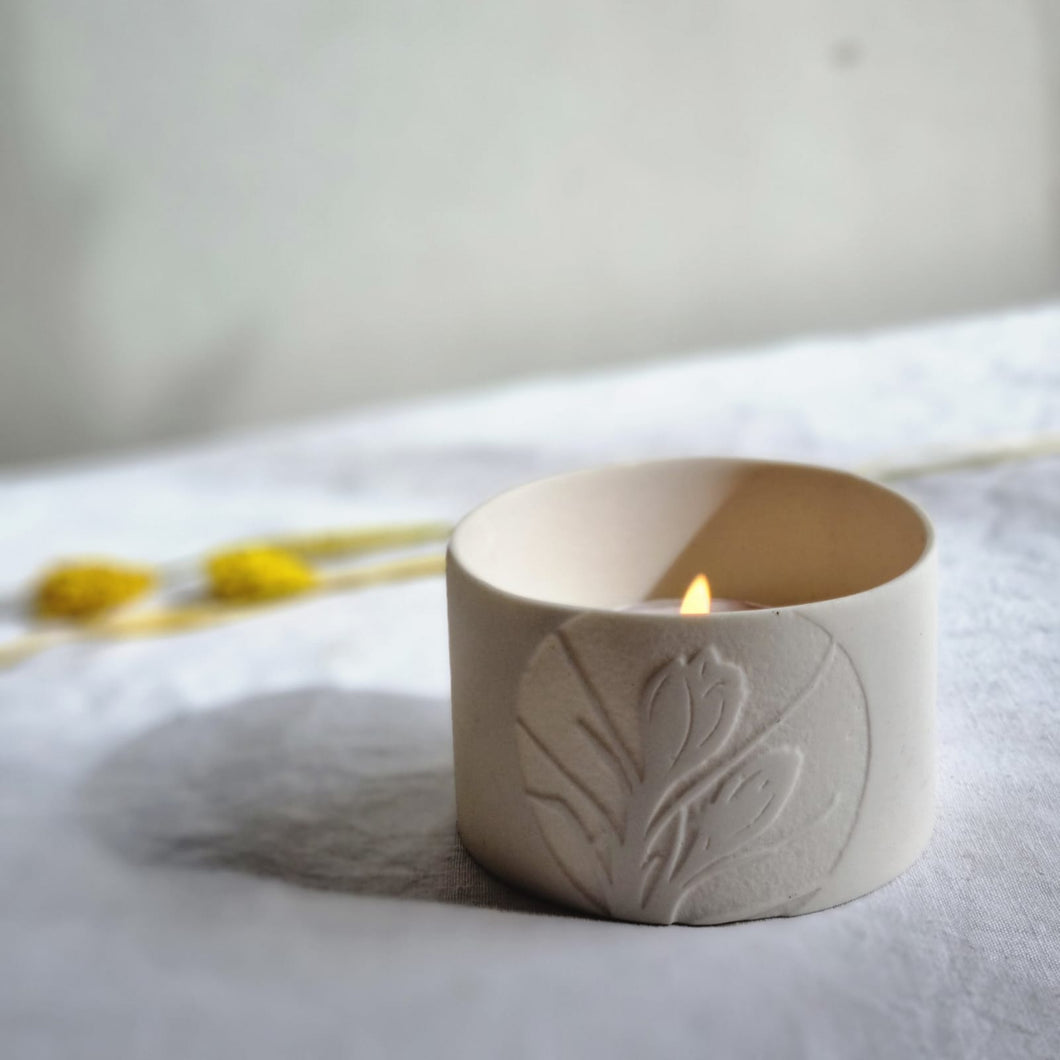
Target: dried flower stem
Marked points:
144	622
321	545
982	454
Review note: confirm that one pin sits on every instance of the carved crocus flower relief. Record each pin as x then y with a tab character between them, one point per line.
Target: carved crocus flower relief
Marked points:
638	828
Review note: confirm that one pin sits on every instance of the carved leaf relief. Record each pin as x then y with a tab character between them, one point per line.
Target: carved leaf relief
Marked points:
638	831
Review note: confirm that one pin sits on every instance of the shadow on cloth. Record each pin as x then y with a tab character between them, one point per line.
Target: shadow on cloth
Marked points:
327	788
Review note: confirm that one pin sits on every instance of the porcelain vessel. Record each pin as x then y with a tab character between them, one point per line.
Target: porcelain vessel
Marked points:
663	768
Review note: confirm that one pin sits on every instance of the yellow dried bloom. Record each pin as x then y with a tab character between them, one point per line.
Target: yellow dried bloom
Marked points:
254	575
240	578
80	591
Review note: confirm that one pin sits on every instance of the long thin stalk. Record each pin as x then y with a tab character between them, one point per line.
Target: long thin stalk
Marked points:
321	545
980	454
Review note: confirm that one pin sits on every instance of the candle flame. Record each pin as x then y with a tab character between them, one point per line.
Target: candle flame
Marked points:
697	597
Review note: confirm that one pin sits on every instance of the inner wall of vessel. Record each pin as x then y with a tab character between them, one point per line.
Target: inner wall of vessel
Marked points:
773	533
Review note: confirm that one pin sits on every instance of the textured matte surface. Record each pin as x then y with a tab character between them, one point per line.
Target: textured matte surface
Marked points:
613	767
189	867
696	770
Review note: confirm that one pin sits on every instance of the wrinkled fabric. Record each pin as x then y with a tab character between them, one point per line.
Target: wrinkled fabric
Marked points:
241	841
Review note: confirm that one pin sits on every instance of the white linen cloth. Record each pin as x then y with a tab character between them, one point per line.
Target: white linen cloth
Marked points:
240	842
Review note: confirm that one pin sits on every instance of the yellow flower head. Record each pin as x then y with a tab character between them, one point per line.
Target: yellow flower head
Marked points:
83	591
256	574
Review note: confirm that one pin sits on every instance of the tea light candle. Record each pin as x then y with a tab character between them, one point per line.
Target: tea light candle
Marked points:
673	607
698	600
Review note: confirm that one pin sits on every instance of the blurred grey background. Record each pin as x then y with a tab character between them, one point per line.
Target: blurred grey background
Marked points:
219	214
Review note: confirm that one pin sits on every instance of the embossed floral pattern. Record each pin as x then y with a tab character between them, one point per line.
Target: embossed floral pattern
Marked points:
692	799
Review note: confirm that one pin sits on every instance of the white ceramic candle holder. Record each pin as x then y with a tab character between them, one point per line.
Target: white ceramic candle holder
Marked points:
694	769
